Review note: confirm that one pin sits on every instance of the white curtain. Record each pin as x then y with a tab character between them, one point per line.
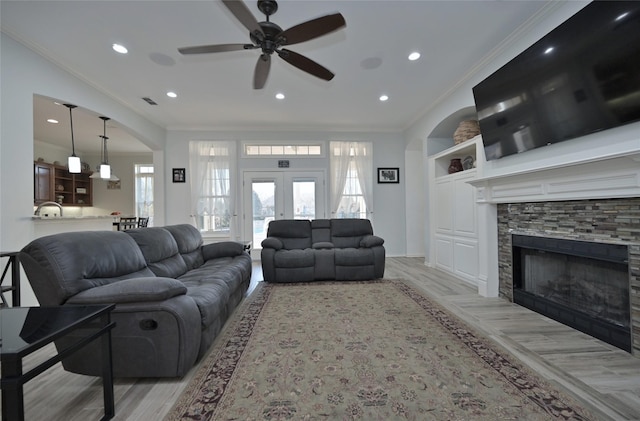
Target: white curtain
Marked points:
339	157
212	165
363	160
341	154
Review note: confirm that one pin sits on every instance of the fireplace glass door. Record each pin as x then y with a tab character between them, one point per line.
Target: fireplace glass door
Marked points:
599	289
584	285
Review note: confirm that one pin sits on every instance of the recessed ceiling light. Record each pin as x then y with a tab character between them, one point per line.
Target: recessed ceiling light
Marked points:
52	120
171	94
414	56
119	48
548	50
280	95
384	98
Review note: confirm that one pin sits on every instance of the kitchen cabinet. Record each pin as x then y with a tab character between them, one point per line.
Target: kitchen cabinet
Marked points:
56	183
42	182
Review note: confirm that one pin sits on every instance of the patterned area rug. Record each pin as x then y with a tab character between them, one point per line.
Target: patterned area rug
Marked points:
376	350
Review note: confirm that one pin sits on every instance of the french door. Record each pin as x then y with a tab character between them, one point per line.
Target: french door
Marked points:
270	195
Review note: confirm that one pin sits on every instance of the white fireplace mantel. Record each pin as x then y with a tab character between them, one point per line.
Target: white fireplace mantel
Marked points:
616	175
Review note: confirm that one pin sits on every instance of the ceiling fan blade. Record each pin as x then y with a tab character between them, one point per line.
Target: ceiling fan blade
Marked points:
305	64
219	48
244	15
261	71
312	29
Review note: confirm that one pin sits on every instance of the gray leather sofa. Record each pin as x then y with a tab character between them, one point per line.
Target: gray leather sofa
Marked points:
172	293
322	249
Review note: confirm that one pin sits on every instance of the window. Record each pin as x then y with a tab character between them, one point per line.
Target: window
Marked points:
351	179
144	191
212	167
352	203
298	149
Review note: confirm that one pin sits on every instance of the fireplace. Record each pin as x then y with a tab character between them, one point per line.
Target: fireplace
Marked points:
582	284
587	224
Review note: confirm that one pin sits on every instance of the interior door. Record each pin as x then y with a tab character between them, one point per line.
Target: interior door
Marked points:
270	195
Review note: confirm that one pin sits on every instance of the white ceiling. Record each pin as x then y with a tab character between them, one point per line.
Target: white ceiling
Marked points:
215	90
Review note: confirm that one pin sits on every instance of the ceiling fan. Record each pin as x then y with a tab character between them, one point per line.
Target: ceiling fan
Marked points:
270	38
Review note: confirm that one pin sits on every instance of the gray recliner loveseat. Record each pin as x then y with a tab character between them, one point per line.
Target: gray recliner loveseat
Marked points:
172	293
322	249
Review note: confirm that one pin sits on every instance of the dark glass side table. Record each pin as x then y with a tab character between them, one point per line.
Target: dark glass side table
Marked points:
23	330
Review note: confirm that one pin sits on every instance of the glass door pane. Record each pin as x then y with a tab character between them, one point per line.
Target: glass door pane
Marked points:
263	207
270	195
304	199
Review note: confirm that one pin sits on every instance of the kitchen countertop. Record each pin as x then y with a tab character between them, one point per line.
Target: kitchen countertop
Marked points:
70	218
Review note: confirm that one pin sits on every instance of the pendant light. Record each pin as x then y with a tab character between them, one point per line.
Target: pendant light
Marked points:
105	168
74	161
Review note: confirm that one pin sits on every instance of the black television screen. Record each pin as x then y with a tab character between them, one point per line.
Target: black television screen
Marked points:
582	77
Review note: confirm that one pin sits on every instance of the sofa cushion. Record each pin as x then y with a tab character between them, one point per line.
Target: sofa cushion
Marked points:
79	261
294	233
295	258
189	242
160	250
349	232
353	257
210	294
135	290
320	231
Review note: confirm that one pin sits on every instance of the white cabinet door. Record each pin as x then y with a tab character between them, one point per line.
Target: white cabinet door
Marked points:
443	206
464	206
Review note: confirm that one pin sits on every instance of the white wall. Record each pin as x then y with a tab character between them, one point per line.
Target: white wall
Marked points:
462	96
616	142
388	151
23	74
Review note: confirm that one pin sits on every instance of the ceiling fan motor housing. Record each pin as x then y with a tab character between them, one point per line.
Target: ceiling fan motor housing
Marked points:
270	43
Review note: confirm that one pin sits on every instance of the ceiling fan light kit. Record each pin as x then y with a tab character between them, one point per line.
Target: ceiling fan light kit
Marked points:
270	38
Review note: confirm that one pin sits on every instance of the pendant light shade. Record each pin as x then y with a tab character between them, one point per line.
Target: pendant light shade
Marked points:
74	161
105	171
105	168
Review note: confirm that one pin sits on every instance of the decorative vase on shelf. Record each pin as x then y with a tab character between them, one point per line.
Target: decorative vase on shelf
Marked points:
455	166
466	130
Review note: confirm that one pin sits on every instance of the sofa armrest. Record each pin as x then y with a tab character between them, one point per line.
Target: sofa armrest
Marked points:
371	241
132	290
323	245
272	243
222	249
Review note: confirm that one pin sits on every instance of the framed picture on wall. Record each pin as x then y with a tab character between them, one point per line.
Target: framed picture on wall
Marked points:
179	175
388	175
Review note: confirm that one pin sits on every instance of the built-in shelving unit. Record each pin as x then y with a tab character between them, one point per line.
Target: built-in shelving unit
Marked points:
56	183
453	210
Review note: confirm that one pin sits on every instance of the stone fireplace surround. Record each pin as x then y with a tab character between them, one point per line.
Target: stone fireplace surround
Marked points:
585	189
615	221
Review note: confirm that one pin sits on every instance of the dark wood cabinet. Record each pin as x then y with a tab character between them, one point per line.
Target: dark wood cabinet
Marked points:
42	182
56	183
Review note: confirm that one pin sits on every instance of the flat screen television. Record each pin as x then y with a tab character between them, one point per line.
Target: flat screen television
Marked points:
582	77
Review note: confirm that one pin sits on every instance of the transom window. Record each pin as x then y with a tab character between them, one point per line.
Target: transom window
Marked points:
282	149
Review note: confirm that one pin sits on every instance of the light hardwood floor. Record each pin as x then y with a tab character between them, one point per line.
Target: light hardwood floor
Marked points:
604	378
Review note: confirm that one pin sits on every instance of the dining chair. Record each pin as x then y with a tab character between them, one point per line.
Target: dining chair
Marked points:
127	223
143	222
